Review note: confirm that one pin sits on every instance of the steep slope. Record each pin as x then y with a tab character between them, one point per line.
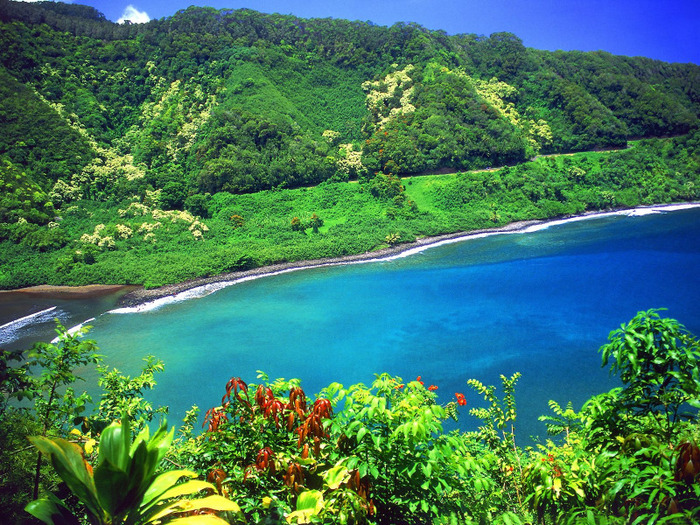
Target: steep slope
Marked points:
118	142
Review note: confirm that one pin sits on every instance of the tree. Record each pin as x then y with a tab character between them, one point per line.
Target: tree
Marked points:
58	362
315	223
657	361
296	224
198	204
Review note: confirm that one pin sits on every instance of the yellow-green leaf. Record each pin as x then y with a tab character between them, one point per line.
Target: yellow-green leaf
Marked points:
164	482
557	485
206	519
215	502
336	477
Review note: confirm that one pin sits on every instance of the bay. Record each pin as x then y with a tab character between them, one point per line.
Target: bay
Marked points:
539	302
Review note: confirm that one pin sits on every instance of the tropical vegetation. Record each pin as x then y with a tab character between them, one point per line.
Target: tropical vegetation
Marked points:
218	140
221	140
377	453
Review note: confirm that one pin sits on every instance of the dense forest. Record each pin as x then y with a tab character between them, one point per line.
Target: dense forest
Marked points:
232	138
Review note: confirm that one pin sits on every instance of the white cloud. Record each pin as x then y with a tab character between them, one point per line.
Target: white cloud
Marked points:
134	16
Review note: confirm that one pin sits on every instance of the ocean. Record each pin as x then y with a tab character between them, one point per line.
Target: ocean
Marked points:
540	302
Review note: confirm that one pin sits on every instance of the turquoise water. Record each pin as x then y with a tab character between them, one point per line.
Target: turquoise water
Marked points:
540	303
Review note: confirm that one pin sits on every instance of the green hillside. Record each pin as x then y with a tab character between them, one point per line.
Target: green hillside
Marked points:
185	113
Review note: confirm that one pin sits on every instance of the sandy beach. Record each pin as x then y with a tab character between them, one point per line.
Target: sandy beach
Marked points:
69	292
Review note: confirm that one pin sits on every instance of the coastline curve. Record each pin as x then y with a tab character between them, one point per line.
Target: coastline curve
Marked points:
142	300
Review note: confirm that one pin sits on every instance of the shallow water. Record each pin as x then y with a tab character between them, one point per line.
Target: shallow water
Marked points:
540	302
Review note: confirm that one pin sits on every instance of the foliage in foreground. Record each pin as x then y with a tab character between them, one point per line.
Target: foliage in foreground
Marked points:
379	453
124	487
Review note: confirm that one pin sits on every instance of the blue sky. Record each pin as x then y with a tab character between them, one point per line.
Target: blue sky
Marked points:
663	29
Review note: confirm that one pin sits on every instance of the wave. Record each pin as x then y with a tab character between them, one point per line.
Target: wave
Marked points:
8	331
207	289
633	212
73	330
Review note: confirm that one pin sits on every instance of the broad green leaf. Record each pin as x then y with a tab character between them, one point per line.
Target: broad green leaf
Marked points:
206	519
310	500
112	447
111	485
51	511
186	489
161	441
215	502
67	459
309	503
336	477
163	483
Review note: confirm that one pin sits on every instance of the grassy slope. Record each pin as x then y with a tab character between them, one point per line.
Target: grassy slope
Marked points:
355	221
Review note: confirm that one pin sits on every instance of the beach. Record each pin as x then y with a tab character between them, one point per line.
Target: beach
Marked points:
134	295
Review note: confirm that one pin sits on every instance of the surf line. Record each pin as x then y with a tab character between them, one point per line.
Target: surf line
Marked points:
72	330
204	290
27	319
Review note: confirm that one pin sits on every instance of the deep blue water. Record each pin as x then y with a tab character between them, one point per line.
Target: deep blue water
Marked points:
540	303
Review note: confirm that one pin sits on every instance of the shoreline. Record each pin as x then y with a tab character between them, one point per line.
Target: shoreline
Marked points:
135	295
89	291
141	295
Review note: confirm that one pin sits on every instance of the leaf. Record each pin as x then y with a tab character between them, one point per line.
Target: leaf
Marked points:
186	489
310	500
160	442
336	476
51	511
215	502
205	519
309	503
557	486
111	484
361	433
67	459
162	483
416	428
112	447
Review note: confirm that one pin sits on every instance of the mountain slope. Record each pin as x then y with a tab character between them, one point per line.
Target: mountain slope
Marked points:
159	122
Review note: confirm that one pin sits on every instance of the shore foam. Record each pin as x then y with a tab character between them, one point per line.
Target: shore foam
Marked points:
204	290
73	329
8	330
27	319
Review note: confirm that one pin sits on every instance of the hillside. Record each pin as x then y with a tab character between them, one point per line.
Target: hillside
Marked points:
123	145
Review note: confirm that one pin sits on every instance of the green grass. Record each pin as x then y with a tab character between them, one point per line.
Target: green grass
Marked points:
355	221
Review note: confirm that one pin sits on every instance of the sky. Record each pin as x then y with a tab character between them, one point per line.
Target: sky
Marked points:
667	30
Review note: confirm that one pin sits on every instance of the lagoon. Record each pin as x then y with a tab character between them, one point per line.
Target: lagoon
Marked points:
540	301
